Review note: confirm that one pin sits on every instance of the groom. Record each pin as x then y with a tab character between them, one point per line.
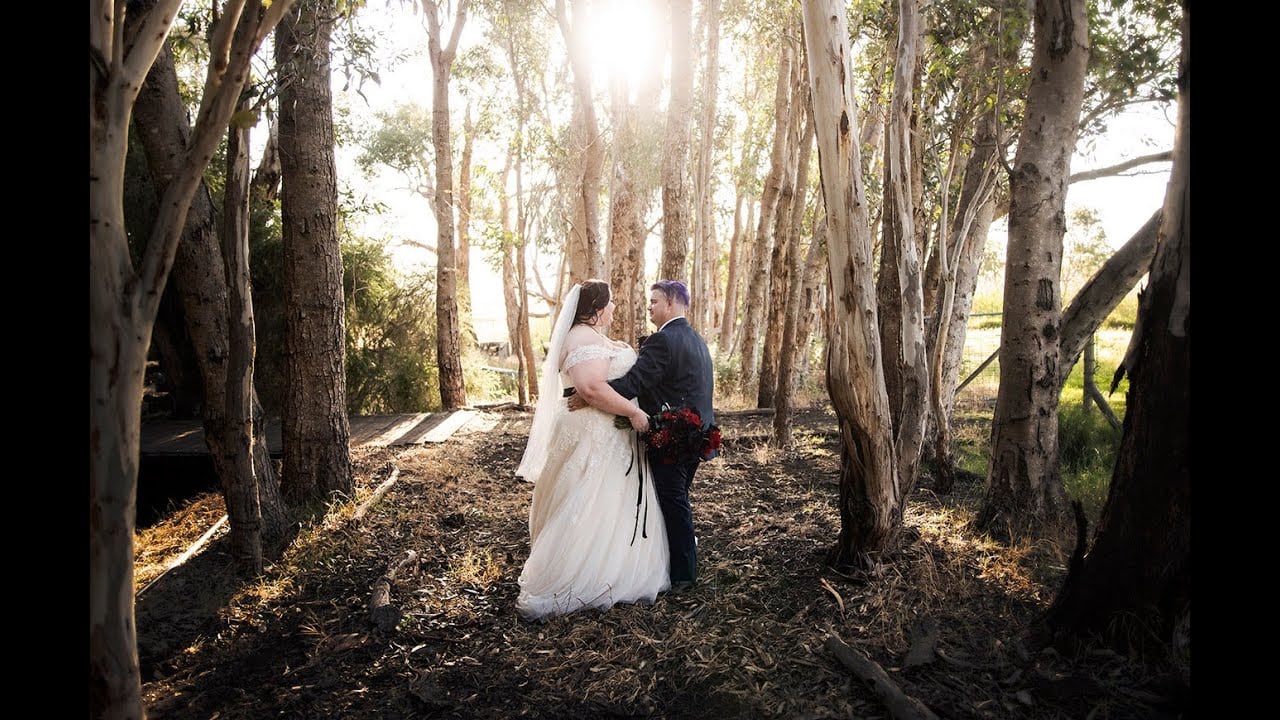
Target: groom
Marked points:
674	369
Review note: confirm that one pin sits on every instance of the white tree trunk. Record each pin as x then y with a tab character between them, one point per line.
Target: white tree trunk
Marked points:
1024	488
757	280
453	387
869	495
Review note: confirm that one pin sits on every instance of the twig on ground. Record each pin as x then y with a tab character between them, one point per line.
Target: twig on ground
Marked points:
900	705
382	489
383	614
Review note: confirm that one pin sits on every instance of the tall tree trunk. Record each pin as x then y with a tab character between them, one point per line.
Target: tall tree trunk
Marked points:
954	267
627	205
706	250
511	283
201	282
523	231
1024	488
871	502
813	301
737	242
1134	585
315	430
780	259
758	275
466	328
585	253
949	350
675	146
800	300
634	177
123	301
900	291
453	387
241	492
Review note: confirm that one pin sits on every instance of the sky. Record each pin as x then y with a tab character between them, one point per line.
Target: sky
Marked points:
1125	202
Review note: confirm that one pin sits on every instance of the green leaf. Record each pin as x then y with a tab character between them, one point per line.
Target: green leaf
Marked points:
244	119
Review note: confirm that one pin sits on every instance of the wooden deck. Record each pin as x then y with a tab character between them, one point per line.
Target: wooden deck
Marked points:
174	438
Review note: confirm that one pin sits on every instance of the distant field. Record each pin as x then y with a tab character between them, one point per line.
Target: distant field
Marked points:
981	342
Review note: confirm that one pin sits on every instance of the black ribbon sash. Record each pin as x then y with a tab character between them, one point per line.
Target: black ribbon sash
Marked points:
640	498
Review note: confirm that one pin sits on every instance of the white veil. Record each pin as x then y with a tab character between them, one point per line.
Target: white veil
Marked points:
550	391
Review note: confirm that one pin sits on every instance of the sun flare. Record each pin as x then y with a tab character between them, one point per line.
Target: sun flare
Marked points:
622	37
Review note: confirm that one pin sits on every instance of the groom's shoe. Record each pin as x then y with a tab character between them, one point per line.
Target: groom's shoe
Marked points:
680	586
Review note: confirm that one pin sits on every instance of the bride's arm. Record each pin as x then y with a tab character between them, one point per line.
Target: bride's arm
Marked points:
588	377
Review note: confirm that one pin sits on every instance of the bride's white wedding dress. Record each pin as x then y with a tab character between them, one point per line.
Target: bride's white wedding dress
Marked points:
596	533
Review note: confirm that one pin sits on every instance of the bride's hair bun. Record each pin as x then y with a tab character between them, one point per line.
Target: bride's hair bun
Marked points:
592	298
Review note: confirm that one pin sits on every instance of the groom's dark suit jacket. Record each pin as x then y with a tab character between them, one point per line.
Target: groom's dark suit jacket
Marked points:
673	368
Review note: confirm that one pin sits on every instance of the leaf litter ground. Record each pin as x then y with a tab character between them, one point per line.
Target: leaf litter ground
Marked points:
747	642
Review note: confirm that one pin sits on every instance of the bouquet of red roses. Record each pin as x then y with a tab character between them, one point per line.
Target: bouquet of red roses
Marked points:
676	436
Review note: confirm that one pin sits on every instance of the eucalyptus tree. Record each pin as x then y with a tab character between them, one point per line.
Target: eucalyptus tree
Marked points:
787	294
981	86
586	256
246	472
453	389
123	299
1024	488
242	492
521	33
703	277
476	71
757	280
1133	587
675	145
976	98
773	314
315	429
746	188
873	488
899	288
633	176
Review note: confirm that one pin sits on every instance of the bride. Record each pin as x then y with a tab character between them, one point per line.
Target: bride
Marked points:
596	534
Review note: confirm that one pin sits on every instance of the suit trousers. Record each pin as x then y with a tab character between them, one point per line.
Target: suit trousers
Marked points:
671	483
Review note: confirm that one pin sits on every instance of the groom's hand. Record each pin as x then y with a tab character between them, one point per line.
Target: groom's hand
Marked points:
576	402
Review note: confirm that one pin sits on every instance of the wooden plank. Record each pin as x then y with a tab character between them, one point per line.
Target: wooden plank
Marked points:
483	422
448	426
186	437
369	427
392	433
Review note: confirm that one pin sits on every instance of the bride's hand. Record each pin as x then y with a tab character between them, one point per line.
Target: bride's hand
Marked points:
640	420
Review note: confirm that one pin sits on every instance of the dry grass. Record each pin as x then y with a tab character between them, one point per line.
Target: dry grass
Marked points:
747	642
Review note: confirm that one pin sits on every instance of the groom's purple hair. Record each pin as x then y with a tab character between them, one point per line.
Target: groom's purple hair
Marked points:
675	290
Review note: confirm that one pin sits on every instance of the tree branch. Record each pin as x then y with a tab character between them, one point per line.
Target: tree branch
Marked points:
1119	168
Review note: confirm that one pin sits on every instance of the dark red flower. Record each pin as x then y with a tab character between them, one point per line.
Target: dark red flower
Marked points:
677	436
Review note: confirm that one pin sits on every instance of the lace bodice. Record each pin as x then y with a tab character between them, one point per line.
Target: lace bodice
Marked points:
621	358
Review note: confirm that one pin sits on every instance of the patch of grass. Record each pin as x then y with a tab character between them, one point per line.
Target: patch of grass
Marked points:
1087	446
476	568
1125	314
